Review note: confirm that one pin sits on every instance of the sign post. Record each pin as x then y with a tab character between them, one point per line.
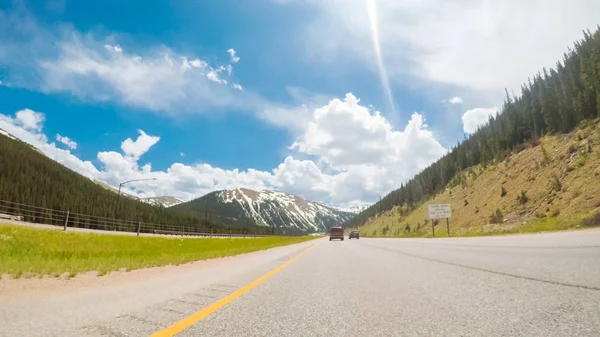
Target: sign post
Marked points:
439	211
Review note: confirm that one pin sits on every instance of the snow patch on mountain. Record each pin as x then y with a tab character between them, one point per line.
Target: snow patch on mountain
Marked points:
353	209
166	201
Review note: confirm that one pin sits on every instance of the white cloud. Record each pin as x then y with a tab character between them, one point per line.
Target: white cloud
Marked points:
478	44
344	133
213	75
234	58
198	64
182	154
474	118
141	145
359	156
29	119
455	100
94	67
67	141
372	157
116	48
159	80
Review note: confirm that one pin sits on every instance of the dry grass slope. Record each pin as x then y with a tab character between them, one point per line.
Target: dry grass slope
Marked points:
553	185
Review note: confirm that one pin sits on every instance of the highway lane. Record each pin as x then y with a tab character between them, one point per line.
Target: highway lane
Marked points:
526	285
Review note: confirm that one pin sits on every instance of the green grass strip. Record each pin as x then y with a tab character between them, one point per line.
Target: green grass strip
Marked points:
36	252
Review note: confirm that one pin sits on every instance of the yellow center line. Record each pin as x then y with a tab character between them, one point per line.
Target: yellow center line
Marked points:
200	315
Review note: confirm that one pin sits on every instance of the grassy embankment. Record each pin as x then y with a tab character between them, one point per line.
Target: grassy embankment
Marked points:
554	185
28	252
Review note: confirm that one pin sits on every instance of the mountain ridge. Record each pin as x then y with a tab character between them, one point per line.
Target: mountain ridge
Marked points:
268	208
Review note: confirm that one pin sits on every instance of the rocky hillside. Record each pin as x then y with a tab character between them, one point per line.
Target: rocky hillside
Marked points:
267	208
550	185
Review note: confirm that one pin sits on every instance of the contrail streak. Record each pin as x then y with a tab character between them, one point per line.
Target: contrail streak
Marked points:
385	83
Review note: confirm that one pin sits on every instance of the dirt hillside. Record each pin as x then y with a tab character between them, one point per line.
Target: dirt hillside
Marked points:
552	184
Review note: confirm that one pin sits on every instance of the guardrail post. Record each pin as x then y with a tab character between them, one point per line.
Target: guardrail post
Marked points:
448	226
66	221
138	229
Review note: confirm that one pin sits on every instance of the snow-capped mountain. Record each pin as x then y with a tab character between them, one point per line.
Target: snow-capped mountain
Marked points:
353	209
268	208
166	201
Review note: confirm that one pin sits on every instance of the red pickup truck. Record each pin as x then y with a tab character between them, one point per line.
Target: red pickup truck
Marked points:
336	233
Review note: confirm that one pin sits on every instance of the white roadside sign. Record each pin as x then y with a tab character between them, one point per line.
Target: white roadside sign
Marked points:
439	211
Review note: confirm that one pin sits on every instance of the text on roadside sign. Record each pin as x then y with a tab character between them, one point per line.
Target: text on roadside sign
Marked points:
439	211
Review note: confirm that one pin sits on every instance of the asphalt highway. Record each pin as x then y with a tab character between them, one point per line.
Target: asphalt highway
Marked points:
525	285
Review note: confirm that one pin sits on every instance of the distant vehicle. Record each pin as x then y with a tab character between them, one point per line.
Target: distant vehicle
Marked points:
336	233
354	234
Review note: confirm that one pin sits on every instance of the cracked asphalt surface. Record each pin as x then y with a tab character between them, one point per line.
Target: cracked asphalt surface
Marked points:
525	285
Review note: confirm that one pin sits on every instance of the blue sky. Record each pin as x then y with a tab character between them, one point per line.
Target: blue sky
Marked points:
279	94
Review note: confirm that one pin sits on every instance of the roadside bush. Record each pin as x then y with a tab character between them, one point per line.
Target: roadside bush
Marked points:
385	230
555	184
497	217
522	198
545	156
592	221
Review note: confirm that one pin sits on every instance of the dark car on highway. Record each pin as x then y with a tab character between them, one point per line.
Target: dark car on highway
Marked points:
354	234
336	233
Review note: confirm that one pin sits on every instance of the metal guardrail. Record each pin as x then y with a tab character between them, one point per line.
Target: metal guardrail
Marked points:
33	214
230	235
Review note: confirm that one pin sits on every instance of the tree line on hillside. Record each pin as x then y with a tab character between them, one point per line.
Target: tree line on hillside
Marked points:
555	100
30	178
